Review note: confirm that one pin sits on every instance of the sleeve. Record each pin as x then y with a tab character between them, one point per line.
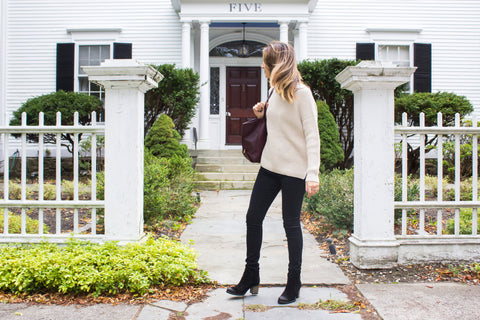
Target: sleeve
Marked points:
309	117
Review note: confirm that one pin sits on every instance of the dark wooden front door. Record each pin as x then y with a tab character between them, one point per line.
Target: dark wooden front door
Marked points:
243	92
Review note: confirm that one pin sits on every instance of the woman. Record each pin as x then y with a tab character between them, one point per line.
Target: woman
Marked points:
290	162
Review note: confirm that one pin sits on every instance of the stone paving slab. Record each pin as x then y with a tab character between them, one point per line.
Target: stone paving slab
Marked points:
218	233
295	314
420	301
269	296
21	311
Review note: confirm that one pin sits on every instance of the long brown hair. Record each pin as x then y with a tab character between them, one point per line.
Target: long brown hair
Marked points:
279	60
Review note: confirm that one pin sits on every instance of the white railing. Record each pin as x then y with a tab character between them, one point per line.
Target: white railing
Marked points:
39	205
418	134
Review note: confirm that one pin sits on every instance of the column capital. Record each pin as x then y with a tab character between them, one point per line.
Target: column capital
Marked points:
283	22
204	22
374	75
124	73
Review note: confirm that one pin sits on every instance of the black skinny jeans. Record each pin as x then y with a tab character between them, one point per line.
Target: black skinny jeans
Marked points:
267	185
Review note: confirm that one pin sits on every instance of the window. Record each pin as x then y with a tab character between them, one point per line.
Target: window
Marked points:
92	55
214	90
238	49
396	54
399	55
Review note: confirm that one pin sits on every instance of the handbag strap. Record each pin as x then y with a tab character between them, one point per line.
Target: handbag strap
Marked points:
269	95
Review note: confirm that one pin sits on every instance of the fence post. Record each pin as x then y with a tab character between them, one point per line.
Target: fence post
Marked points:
373	244
125	83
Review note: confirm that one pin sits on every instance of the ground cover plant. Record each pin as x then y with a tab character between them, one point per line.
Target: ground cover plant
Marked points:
98	269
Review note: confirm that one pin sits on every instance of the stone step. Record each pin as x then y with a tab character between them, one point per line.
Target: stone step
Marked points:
216	153
229	168
224	185
226	176
222	160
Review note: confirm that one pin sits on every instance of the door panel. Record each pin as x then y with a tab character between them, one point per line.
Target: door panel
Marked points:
243	92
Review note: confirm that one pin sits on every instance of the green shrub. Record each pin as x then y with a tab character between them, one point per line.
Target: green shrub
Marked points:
99	269
15	191
49	191
466	189
413	193
466	151
68	188
465	223
168	186
15	224
176	96
331	149
334	200
66	103
431	185
163	140
320	75
430	104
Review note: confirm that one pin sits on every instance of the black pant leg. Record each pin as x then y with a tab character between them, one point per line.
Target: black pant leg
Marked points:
265	189
293	191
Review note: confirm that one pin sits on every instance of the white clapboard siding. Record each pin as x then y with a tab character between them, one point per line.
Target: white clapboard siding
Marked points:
35	27
452	27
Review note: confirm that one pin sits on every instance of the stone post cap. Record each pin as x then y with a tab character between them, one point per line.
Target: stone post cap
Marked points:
124	73
374	74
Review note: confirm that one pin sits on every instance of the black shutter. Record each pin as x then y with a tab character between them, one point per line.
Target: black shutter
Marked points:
422	59
65	66
122	50
365	51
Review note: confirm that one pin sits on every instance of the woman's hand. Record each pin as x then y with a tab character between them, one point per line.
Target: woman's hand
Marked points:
259	110
311	187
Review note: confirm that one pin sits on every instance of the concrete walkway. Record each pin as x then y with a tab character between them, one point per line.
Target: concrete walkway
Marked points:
219	235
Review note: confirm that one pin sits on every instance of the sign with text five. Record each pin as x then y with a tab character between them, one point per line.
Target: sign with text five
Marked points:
245	7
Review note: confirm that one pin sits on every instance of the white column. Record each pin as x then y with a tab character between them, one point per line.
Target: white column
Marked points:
205	88
303	41
283	31
186	44
125	83
373	244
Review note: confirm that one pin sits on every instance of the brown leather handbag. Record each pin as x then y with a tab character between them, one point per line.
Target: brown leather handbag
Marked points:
254	136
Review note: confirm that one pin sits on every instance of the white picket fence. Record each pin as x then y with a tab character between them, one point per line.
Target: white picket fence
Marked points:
39	205
418	133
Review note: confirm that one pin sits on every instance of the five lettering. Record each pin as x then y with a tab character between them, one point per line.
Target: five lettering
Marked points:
245	7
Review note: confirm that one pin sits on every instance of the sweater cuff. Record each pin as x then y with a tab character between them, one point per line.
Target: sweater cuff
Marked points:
312	176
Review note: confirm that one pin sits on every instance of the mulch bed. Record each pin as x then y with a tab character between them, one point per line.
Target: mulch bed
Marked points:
427	272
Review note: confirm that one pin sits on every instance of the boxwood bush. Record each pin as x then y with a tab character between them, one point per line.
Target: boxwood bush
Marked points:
98	269
334	200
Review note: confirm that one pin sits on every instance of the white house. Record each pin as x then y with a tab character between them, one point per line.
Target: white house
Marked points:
45	42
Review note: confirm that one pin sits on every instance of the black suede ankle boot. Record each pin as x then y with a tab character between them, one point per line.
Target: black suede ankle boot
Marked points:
250	280
292	290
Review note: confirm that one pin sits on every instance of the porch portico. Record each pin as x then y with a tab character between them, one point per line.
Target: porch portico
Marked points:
210	24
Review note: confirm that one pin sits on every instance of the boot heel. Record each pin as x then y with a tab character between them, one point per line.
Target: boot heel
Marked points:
254	289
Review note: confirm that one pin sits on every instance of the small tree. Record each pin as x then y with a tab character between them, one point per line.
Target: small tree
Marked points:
331	150
163	140
176	96
320	76
430	104
66	103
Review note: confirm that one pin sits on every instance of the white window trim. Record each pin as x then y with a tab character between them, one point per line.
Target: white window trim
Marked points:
76	85
398	43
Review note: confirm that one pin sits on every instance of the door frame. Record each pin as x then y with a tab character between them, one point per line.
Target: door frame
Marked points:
220	133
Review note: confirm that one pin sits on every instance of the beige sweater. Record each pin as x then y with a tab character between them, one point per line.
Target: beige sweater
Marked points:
293	141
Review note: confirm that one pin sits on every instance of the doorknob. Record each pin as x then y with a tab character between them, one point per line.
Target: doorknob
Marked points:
228	114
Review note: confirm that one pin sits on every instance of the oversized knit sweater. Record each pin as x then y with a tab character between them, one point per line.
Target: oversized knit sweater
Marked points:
293	141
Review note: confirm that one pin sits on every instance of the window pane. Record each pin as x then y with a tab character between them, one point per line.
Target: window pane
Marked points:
214	90
83	84
104	53
238	49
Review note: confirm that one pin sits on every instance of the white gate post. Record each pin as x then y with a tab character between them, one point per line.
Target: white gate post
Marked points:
373	244
125	83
